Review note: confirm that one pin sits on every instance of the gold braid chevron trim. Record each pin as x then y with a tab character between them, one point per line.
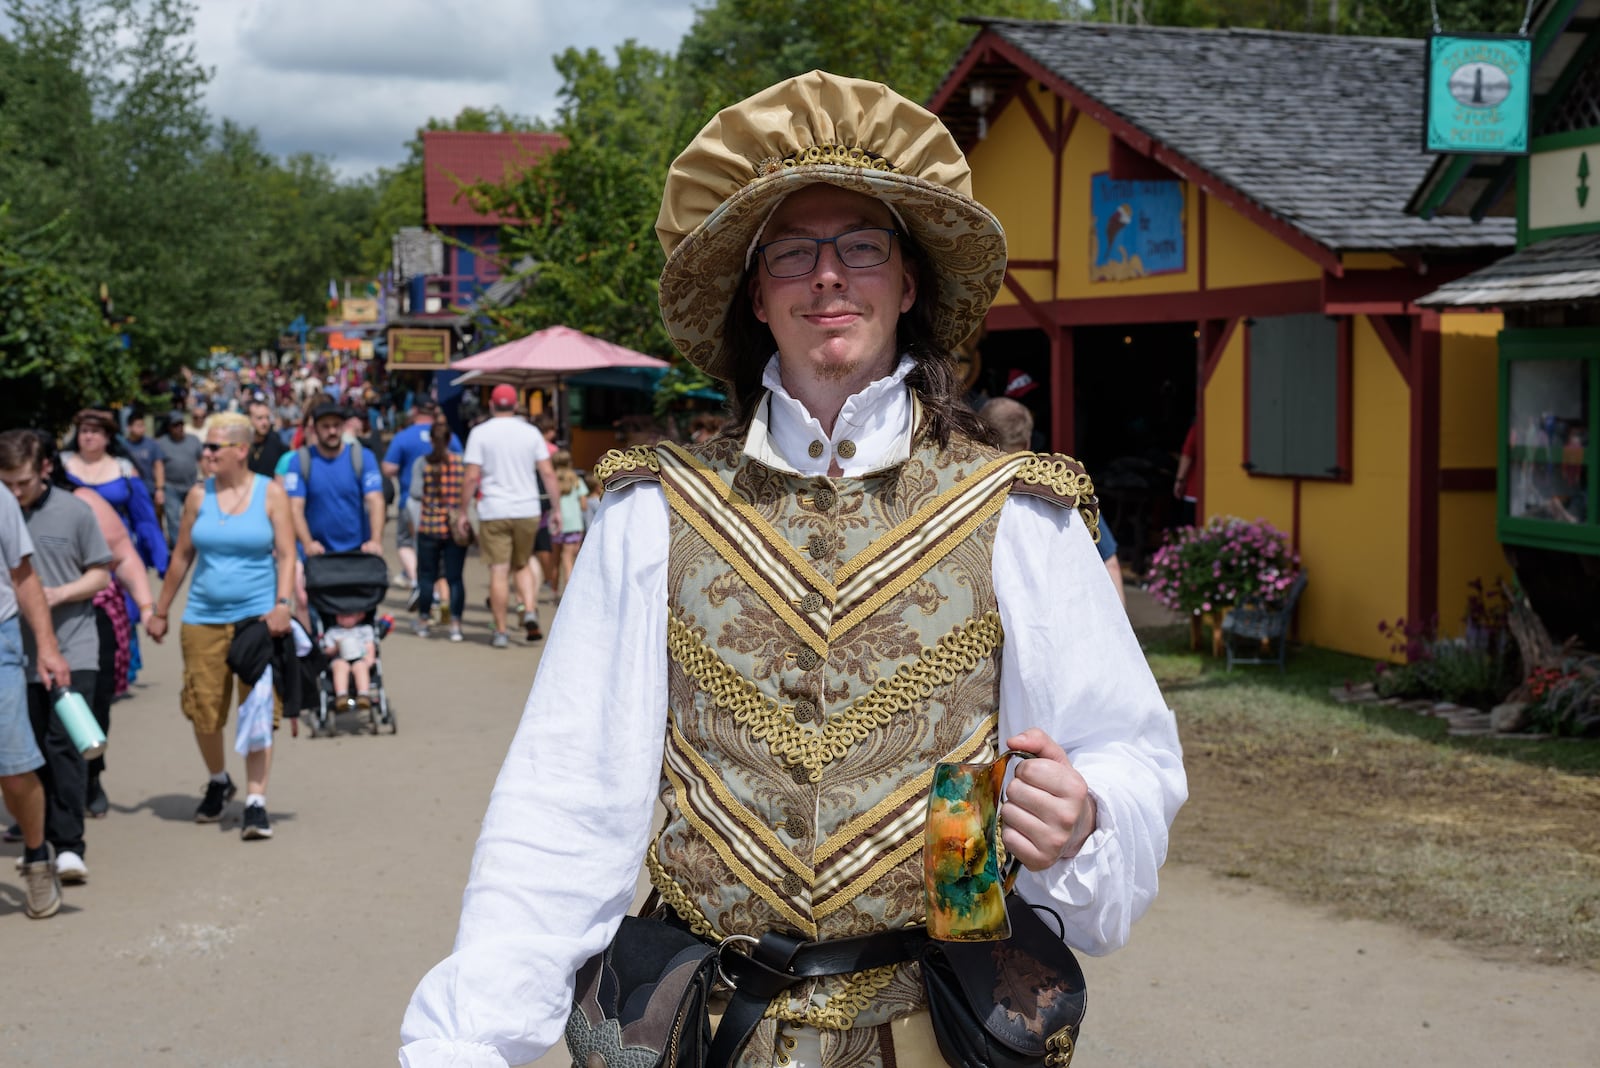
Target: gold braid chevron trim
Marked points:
677	898
1064	477
843	1006
837	155
639	458
955	654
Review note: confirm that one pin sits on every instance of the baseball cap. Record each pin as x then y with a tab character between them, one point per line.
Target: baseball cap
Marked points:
504	396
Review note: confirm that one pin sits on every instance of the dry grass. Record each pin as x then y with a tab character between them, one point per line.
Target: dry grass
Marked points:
1379	815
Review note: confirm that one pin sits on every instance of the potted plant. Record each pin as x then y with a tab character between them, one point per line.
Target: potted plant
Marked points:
1202	572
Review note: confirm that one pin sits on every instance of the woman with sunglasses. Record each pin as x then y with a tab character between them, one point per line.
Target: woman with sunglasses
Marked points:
237	534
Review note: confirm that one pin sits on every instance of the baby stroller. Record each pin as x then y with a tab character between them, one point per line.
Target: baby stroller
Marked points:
339	584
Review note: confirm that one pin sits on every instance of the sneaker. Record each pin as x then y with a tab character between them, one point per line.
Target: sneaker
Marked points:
455	632
218	794
530	623
255	823
70	867
43	886
500	640
420	628
14	833
363	703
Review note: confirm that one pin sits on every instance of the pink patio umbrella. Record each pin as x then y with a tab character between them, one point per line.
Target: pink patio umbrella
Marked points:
546	357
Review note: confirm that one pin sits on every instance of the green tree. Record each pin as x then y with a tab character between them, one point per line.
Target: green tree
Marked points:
589	210
1369	18
57	352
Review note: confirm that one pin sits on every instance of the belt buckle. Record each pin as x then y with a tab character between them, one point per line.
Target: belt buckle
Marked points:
723	976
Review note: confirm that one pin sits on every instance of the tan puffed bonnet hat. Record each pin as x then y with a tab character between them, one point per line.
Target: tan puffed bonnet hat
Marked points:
819	127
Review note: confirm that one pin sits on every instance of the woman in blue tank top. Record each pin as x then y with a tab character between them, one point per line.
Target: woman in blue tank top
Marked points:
237	535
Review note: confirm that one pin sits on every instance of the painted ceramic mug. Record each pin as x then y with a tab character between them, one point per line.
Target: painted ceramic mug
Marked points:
966	888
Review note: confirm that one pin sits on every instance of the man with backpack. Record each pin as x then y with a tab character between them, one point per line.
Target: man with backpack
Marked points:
335	490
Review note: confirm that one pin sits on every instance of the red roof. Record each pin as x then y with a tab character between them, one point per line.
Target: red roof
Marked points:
452	159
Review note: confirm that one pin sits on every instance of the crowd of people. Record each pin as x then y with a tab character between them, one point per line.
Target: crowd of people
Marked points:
250	472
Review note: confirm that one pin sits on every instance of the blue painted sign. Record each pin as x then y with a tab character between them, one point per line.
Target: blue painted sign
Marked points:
1479	94
1138	229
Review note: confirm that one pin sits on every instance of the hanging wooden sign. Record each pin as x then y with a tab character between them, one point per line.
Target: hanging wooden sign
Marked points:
1478	94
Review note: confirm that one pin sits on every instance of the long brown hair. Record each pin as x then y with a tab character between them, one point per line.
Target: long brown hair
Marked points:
747	342
439	438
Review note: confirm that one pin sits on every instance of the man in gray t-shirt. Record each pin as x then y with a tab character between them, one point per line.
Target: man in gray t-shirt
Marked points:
180	459
73	562
20	758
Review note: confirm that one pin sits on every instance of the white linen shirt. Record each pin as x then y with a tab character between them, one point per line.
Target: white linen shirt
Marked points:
571	813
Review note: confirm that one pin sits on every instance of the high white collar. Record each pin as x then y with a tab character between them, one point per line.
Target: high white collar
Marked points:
877	422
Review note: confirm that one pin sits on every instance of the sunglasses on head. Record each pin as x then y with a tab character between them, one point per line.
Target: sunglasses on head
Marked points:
218	446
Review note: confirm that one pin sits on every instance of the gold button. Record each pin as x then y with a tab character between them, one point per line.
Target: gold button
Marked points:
804	711
792	885
819	545
846	449
806	659
811	602
800	775
815	449
823	499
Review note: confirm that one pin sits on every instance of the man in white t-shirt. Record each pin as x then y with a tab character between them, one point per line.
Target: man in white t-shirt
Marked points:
505	455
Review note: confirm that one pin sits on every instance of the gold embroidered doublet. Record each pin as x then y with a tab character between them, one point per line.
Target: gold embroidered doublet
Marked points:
830	640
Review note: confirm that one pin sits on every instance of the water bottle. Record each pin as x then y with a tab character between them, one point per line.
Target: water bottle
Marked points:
81	725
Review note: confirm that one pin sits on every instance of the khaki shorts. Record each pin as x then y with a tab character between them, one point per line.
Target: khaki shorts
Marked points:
207	682
508	541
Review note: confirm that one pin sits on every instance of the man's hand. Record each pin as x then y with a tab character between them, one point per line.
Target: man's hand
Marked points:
553	522
1049	812
278	621
372	547
160	496
52	596
53	669
315	548
156	627
463	524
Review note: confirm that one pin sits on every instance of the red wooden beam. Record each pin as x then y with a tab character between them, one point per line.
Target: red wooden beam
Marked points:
1422	528
1467	479
1130	166
1395	331
1037	314
1063	387
1214	335
1046	133
1279	298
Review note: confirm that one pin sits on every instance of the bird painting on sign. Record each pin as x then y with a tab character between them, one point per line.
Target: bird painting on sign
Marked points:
1137	229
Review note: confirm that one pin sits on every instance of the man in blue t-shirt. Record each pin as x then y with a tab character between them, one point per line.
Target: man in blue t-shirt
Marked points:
333	512
410	445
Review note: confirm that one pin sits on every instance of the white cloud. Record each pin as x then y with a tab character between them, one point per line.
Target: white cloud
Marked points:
352	80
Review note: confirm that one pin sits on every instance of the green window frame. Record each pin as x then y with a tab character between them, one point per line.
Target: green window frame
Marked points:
1582	347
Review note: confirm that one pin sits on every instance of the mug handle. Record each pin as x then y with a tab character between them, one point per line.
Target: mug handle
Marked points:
1013	863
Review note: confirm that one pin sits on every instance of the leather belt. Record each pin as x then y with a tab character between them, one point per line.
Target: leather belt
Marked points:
778	961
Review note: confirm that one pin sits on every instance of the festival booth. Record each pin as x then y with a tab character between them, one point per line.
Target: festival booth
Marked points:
1546	395
1207	228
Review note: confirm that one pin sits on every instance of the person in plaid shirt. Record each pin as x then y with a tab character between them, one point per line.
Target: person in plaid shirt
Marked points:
442	474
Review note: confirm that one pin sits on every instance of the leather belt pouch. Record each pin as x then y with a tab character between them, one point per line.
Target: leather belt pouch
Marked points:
1015	1003
641	1003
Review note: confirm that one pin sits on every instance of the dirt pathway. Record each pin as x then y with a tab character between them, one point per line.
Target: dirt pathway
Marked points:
190	948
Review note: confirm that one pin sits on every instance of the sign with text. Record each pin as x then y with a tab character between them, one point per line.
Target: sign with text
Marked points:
1138	228
419	350
360	309
1478	94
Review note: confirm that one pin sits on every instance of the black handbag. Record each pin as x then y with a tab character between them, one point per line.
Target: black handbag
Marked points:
1016	1003
641	1003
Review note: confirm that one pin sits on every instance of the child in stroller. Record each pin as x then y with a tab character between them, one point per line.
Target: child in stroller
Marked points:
345	590
352	647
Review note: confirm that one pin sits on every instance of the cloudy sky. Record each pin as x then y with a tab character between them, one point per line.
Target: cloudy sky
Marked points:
352	80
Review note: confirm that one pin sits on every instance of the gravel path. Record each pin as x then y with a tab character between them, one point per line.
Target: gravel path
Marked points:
190	948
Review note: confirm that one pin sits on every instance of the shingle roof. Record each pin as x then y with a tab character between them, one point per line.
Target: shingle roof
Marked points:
1558	269
1323	132
453	158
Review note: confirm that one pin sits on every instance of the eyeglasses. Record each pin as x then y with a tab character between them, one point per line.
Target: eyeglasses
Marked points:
218	446
792	257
